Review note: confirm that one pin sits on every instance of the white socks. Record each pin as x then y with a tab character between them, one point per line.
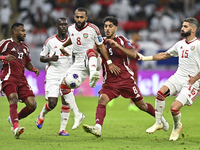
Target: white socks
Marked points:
159	106
70	99
64	120
177	120
92	64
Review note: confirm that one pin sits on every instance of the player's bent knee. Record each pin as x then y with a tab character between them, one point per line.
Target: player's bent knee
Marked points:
160	96
91	53
65	89
103	99
174	112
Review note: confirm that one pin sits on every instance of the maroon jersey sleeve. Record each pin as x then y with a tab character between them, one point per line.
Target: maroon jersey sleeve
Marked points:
3	45
125	42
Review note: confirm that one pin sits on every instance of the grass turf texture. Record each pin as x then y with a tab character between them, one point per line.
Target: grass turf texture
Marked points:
122	129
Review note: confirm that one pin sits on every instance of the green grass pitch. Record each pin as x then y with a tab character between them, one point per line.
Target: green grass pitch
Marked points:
122	129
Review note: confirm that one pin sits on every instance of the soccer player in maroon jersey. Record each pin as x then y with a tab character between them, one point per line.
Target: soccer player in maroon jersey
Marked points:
15	57
119	49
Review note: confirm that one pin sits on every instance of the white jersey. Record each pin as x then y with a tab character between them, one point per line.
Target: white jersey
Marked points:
84	39
56	69
189	57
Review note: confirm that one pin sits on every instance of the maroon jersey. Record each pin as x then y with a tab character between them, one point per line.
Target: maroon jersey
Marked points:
119	59
14	70
133	62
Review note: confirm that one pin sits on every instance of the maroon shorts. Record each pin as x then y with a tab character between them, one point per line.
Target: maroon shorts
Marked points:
126	88
22	88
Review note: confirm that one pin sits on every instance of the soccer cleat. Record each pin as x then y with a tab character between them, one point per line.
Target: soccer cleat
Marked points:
165	126
92	129
77	120
63	133
155	127
175	133
12	129
39	122
94	77
18	132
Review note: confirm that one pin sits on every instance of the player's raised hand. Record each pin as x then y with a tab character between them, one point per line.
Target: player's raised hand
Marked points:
54	57
64	52
9	57
112	43
114	69
192	80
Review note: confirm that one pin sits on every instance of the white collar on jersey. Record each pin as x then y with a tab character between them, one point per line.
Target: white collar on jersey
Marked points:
191	40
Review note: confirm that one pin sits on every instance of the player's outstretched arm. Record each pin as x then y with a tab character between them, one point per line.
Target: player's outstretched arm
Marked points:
159	56
7	57
30	67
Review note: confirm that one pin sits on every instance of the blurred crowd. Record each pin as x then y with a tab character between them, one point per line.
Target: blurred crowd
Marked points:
158	21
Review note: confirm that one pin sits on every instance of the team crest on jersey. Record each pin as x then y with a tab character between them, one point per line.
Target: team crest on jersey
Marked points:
85	35
192	48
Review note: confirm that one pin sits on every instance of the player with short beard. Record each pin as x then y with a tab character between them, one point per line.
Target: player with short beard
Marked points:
186	79
83	37
15	56
119	49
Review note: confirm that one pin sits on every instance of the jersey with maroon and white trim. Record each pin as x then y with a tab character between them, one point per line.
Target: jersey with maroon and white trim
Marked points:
189	56
119	58
84	39
56	69
14	70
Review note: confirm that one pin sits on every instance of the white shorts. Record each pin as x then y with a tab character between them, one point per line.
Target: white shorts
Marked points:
179	84
81	67
52	88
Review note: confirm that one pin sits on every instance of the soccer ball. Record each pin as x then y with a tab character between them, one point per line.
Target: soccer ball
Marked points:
73	80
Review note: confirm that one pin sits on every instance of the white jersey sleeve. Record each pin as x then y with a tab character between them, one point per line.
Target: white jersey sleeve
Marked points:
173	50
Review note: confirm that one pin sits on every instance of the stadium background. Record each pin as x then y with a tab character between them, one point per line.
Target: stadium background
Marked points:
157	21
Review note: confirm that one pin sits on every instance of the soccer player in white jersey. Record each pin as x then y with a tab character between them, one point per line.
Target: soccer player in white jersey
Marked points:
57	65
83	37
185	81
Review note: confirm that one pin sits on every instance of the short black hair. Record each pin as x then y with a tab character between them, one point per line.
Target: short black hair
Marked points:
61	18
82	9
192	21
16	25
111	19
